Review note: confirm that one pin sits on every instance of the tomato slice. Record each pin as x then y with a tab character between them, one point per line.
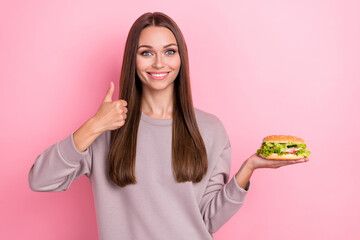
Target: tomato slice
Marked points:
292	152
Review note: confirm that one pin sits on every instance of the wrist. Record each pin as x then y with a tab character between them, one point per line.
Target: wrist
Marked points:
93	127
249	166
86	134
244	174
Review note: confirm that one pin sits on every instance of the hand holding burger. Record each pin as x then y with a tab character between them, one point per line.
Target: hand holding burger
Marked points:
275	151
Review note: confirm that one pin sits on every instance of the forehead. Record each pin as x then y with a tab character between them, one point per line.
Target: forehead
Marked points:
156	36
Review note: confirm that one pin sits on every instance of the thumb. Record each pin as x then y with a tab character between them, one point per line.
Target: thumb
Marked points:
110	92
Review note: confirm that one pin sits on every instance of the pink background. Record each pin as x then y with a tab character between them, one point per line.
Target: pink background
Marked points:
263	67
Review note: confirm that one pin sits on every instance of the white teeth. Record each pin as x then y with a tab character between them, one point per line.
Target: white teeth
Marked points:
158	75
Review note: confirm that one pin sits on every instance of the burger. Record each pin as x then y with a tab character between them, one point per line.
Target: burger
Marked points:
283	147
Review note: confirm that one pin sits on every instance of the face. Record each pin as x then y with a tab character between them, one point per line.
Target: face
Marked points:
157	59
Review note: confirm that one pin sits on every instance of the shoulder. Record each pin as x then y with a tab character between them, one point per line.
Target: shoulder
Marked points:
210	126
206	117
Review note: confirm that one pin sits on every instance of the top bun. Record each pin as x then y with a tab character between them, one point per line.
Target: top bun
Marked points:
283	139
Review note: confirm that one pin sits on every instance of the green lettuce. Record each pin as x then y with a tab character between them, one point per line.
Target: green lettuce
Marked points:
268	148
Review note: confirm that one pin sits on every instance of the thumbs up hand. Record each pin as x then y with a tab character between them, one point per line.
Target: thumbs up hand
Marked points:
111	115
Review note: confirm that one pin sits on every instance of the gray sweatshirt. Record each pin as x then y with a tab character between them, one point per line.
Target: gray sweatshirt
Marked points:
157	207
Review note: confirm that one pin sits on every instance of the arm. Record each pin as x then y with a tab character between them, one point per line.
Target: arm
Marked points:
60	164
220	200
255	162
243	175
86	135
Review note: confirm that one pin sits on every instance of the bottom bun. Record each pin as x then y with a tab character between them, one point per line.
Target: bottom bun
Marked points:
274	156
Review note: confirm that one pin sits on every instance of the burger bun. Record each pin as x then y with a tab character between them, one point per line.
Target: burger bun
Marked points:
275	156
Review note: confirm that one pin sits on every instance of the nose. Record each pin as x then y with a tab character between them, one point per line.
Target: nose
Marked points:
158	61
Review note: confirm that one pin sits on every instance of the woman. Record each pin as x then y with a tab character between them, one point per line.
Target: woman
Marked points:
159	168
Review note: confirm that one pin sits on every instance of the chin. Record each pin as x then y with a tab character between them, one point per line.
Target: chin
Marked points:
158	86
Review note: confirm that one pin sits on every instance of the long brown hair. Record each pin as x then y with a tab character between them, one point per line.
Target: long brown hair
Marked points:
189	157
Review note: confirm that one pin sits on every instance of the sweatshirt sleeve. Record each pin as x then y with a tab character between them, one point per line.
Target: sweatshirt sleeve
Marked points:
59	165
220	200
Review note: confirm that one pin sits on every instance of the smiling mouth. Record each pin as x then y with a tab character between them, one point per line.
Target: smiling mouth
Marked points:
158	75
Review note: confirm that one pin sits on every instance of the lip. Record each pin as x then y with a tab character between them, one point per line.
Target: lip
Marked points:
157	78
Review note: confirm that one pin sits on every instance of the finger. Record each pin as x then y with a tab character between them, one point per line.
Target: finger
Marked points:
109	94
121	117
123	102
285	162
281	165
302	160
120	123
294	162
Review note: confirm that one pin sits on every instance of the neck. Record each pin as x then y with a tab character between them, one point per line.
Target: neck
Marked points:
157	104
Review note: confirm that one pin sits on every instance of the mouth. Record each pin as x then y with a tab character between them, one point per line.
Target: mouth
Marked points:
157	75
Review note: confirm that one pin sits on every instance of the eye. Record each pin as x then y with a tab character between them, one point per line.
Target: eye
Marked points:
145	53
170	52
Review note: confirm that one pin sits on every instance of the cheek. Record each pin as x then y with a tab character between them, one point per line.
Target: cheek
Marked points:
139	65
142	62
175	63
139	70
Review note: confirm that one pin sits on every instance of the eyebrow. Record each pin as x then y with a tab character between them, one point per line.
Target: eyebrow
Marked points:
148	46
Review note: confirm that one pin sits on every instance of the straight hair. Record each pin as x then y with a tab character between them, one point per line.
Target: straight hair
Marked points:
189	157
